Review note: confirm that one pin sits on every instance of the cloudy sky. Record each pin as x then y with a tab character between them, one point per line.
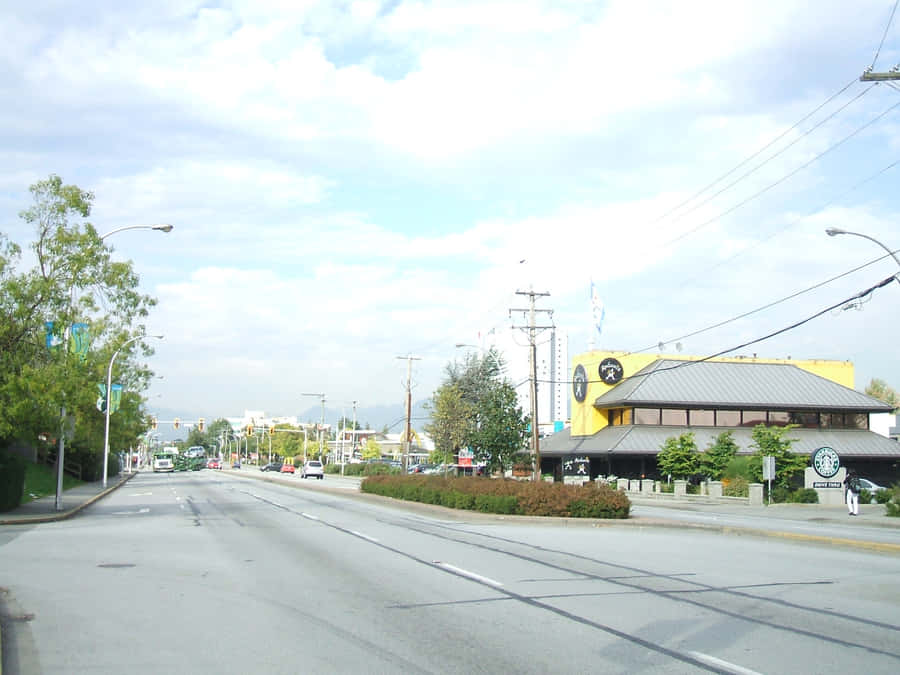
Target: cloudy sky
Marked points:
354	181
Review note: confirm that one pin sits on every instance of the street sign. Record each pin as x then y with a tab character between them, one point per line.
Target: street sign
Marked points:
768	468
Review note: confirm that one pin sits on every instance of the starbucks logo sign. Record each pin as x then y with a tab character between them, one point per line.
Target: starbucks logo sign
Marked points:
826	462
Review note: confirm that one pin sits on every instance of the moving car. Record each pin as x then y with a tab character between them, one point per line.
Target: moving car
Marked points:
866	484
313	468
287	468
213	464
272	466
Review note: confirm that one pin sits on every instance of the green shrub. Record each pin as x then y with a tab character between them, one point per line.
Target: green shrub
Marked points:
883	496
12	480
738	467
892	506
805	496
737	486
504	495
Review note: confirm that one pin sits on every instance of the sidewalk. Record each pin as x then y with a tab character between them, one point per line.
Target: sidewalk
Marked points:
43	510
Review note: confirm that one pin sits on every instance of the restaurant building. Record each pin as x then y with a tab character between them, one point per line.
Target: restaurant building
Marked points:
625	406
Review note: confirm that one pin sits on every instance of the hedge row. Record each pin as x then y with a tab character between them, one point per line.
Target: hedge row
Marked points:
494	495
12	480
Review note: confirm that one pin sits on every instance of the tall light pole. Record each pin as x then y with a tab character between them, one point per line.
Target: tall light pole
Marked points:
834	231
109	398
61	454
321	425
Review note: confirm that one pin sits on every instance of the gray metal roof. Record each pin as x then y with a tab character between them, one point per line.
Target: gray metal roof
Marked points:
648	439
717	384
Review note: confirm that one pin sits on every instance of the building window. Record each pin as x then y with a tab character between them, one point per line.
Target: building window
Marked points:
676	418
807	420
750	418
615	417
626	416
779	418
728	418
646	416
702	418
857	420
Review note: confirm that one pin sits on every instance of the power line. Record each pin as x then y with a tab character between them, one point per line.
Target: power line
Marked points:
767	306
795	221
783	178
856	297
884	35
781	151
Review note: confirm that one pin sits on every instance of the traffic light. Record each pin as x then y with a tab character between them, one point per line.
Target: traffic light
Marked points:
200	423
249	429
154	423
176	423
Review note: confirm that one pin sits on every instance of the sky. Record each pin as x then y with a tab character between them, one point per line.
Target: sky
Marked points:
353	182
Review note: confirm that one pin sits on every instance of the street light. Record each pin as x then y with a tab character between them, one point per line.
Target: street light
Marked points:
109	398
162	228
61	454
834	231
321	426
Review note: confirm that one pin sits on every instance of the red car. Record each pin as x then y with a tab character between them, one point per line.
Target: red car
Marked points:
213	464
287	468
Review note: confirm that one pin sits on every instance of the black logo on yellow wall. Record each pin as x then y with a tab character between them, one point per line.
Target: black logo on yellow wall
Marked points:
579	383
611	371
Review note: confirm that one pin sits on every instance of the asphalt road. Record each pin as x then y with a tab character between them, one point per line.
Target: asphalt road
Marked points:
212	573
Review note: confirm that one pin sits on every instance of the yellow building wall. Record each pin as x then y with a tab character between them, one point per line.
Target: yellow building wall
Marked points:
587	420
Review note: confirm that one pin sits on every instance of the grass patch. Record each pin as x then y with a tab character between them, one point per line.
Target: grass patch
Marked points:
40	481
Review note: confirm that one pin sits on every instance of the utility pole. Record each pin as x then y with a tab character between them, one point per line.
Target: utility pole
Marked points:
532	329
409	360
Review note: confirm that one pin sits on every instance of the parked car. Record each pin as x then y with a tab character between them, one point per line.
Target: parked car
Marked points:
313	467
866	484
213	464
287	467
272	466
421	468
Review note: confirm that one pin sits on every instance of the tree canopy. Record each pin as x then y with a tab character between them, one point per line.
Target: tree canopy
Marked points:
72	281
476	408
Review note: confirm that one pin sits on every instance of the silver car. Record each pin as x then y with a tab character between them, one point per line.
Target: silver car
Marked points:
313	467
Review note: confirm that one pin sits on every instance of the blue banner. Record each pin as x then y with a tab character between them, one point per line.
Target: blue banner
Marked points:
80	340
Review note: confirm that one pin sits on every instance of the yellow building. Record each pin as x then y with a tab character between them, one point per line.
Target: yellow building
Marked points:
624	407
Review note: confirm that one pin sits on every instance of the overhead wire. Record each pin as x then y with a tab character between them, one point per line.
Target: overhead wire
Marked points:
766	306
757	153
783	178
856	297
769	159
795	221
884	35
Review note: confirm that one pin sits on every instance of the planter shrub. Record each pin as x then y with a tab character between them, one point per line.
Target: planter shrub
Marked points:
505	496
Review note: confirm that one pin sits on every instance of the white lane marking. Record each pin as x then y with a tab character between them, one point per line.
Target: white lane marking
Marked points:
177	499
310	516
364	536
466	573
130	513
719	663
140	494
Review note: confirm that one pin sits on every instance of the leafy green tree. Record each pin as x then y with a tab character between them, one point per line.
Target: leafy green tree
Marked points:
501	429
879	389
720	452
773	441
451	423
371	450
679	457
73	280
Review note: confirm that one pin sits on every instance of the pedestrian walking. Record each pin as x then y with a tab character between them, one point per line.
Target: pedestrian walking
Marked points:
851	484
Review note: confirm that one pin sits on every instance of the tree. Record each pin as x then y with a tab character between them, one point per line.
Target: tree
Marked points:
451	422
73	281
772	441
500	430
679	457
879	389
371	450
720	452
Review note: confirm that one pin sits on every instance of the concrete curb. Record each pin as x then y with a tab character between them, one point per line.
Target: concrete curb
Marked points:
63	515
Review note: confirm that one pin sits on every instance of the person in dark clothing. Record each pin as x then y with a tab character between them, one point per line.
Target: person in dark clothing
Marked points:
851	485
